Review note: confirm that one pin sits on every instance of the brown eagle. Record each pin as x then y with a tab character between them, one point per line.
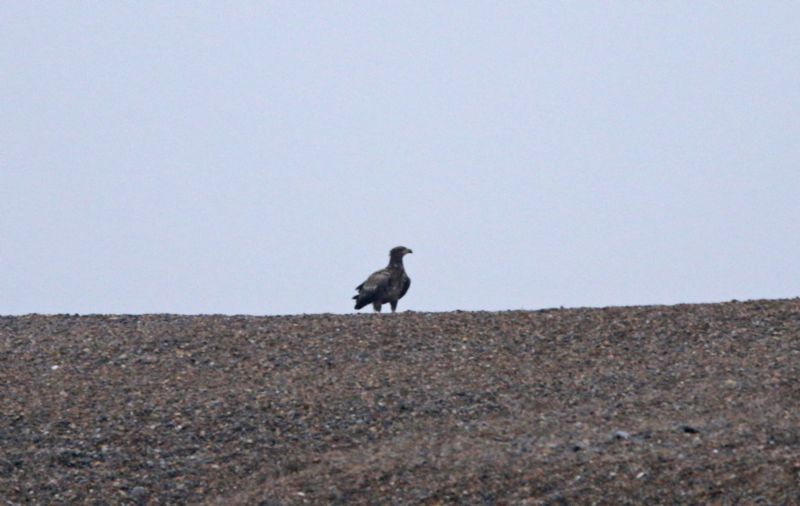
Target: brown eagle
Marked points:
386	285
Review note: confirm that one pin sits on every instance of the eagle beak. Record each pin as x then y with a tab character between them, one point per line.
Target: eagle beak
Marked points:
409	251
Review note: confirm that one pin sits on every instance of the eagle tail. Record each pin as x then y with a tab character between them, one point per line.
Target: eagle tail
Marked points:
361	302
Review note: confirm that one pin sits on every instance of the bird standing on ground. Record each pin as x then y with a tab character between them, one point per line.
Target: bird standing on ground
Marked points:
386	285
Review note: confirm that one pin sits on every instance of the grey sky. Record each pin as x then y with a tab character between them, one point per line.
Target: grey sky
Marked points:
255	157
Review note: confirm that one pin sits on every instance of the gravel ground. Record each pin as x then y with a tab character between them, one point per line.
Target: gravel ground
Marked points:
688	404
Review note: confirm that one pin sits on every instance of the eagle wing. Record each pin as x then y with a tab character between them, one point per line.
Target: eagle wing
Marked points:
376	284
377	281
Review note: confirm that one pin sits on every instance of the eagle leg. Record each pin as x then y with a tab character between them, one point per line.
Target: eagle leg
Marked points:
394	305
376	306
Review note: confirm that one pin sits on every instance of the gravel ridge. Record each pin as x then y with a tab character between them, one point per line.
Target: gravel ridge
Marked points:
684	404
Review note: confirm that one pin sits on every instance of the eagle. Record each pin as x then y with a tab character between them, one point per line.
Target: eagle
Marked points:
386	285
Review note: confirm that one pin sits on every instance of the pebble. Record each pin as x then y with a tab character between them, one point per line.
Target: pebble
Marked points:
391	408
138	492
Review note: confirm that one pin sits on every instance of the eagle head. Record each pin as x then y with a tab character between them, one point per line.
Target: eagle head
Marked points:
399	252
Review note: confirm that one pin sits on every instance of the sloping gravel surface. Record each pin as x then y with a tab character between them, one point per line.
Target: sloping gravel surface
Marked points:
689	404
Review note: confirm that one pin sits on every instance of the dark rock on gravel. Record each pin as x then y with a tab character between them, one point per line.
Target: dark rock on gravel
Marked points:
687	404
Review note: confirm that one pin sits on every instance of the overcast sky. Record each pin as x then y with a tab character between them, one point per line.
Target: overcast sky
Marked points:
263	157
